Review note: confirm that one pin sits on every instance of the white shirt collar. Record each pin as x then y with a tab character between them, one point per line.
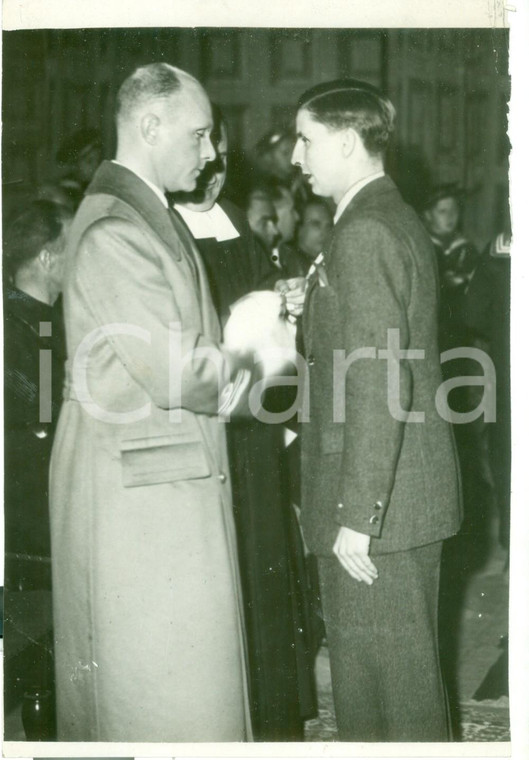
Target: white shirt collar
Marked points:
214	223
155	189
353	190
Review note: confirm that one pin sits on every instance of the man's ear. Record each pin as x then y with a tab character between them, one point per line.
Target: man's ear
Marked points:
349	141
45	259
149	126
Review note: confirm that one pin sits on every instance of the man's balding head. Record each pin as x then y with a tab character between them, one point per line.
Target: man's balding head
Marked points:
164	121
148	84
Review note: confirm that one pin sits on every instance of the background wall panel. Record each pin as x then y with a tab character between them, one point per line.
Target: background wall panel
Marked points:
450	88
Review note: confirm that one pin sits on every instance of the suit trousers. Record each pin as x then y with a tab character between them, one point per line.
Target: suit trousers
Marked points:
383	648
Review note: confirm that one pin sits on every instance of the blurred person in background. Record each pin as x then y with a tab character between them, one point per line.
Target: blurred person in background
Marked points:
314	230
273	155
54	192
262	218
34	258
484	451
456	257
235	264
272	216
457	260
486	315
79	157
284	255
287	215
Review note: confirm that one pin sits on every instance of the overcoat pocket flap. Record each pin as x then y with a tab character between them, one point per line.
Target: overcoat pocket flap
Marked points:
162	459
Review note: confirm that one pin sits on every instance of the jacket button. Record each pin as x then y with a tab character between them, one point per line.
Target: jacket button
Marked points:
222	477
373	520
378	505
311	360
340	505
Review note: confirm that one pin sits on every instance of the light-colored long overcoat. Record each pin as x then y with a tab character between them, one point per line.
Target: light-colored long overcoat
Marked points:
149	639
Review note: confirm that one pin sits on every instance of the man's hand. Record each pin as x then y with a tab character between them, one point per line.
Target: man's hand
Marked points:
293	291
352	549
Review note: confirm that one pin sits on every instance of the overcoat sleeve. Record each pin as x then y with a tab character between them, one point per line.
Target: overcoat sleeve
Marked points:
374	287
120	278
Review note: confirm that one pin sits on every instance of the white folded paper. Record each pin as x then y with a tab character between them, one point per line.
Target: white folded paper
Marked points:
233	392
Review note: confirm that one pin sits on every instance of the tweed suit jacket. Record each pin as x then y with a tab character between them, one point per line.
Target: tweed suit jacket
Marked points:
366	464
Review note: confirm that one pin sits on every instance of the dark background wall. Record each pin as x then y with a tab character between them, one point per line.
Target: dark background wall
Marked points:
450	88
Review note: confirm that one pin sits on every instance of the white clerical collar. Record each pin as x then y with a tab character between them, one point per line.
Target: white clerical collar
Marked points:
214	223
155	189
350	194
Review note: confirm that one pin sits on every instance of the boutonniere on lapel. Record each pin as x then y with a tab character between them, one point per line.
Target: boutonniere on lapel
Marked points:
317	269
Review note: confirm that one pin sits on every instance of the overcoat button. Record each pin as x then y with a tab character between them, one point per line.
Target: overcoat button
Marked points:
373	520
340	505
222	477
378	505
311	360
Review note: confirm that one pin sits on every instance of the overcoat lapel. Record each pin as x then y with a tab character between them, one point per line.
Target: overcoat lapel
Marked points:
209	316
114	179
118	181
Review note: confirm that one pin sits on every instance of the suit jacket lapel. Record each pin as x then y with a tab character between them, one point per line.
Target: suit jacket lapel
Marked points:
307	318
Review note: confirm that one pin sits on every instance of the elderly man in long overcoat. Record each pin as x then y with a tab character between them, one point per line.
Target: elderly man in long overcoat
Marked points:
149	636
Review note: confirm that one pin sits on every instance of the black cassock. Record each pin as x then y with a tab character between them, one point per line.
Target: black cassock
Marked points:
271	556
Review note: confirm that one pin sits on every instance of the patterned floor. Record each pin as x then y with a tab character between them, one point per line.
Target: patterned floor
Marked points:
480	721
483	622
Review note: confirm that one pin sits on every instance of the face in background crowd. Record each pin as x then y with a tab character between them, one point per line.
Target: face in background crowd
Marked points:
262	219
280	158
287	216
274	153
315	229
35	250
81	155
442	219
